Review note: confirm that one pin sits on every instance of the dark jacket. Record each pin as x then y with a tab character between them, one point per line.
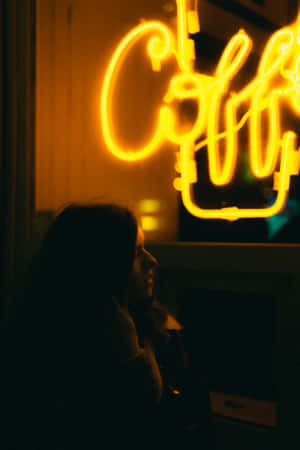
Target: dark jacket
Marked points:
58	394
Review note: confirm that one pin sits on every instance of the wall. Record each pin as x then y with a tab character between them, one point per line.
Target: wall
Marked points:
75	40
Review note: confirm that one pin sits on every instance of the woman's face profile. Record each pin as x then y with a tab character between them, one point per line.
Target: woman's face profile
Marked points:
142	276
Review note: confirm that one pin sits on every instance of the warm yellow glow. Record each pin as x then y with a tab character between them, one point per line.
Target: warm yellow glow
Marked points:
281	179
193	22
149	206
280	61
185	45
149	223
178	90
232	59
158	48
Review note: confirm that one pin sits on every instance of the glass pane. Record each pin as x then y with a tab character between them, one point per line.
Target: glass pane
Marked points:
75	41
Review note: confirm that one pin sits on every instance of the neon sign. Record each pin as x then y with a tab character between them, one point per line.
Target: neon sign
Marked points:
280	60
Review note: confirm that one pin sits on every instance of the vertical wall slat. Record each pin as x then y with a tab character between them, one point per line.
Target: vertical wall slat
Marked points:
17	181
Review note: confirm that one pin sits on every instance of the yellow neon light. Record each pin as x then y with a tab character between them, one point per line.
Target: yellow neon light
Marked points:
158	51
280	61
150	206
149	223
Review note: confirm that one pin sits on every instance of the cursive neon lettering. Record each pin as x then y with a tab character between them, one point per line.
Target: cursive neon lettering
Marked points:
280	61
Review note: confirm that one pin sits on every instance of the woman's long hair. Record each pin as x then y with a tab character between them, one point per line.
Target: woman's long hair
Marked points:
85	258
53	341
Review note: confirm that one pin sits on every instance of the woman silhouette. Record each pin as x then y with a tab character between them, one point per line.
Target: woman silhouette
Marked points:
74	373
